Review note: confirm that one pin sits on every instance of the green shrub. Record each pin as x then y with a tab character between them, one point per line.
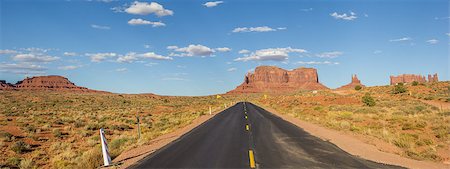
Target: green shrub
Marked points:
20	147
57	133
368	100
415	83
358	87
8	137
399	88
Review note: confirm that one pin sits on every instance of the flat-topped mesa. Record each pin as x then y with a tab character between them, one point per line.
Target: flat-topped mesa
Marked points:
355	82
56	83
274	79
409	78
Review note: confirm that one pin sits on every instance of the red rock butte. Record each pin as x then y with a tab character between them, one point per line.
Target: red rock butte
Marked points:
355	82
273	79
409	78
57	83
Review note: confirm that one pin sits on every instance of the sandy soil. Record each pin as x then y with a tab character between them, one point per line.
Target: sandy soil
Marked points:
361	146
439	104
132	156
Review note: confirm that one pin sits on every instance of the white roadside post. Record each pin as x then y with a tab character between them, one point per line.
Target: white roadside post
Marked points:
105	151
210	110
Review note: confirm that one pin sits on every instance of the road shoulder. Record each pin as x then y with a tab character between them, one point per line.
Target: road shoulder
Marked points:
355	146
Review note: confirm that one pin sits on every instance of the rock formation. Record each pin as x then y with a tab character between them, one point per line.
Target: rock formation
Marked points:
355	82
409	78
274	79
57	83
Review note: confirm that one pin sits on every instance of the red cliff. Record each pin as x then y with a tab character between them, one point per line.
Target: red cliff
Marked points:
274	79
355	82
409	78
57	83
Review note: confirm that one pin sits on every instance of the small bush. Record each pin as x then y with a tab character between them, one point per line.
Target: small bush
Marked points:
20	147
358	87
368	100
57	133
399	88
415	83
26	164
8	137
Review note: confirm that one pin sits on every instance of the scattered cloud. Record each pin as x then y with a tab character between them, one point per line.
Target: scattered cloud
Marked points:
146	46
256	29
401	39
100	27
69	67
7	51
333	54
69	54
441	18
377	52
344	16
132	56
22	68
306	9
150	64
152	55
144	8
231	69
432	41
318	63
99	57
244	51
273	54
223	49
175	79
212	4
121	70
145	22
195	50
448	34
33	57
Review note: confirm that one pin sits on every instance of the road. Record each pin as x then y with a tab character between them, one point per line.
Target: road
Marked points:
247	136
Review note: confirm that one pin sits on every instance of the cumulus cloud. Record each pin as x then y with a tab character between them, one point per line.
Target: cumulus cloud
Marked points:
100	27
140	21
33	57
256	29
7	51
223	49
318	63
333	54
132	56
231	69
244	51
432	41
195	50
274	54
144	8
22	68
99	57
69	67
344	16
121	70
69	54
212	3
401	39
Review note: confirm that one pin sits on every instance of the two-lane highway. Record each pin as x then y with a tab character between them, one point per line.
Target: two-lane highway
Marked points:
247	136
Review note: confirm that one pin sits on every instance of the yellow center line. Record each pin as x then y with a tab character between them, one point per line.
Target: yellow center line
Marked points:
247	127
246	117
251	158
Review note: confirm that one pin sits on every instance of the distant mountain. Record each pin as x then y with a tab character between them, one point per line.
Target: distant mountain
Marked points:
55	83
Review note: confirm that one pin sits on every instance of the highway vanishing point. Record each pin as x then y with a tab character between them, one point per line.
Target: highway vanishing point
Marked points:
247	136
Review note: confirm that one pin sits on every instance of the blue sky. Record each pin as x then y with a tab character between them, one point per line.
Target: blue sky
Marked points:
206	47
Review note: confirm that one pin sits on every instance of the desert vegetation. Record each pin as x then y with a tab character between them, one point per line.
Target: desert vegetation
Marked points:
398	115
61	130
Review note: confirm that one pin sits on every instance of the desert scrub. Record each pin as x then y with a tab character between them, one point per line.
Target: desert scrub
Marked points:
368	100
20	147
399	88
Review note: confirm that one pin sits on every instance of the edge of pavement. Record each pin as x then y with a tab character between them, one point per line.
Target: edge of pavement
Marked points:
132	156
348	142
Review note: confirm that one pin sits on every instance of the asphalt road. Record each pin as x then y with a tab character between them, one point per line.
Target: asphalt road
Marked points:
246	136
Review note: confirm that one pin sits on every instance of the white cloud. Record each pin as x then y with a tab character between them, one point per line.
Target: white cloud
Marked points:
69	54
377	52
32	57
145	22
7	51
191	50
432	41
223	49
100	27
318	63
333	54
244	51
231	69
69	67
256	29
146	46
307	9
144	8
344	16
132	56
448	34
175	78
121	70
401	39
22	68
274	54
212	3
99	57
